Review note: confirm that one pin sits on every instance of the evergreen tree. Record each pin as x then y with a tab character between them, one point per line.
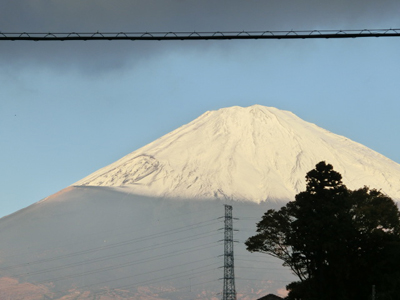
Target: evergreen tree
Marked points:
338	242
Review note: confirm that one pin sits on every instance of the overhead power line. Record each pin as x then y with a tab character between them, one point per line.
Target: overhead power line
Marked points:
118	244
216	35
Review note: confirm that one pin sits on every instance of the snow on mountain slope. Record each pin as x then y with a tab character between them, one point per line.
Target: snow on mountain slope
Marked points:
139	228
255	153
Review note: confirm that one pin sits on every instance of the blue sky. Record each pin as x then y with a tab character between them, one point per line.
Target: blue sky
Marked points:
70	108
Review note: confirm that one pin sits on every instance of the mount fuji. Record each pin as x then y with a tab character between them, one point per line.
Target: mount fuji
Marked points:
255	153
148	225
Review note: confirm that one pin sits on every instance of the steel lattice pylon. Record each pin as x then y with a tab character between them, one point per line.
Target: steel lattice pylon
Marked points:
229	292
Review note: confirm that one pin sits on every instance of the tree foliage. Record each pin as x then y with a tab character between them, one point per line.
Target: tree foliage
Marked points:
337	241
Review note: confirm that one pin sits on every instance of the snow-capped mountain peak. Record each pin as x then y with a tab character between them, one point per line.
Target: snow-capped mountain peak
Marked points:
255	153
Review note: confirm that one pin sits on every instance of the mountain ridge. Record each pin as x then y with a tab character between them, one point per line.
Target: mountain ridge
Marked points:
141	228
257	153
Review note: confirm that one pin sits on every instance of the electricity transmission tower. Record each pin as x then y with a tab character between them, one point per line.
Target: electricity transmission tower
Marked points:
229	292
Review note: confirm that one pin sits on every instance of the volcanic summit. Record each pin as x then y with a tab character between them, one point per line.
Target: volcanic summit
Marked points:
255	153
148	225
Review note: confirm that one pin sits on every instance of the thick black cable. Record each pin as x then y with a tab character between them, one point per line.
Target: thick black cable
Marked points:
218	35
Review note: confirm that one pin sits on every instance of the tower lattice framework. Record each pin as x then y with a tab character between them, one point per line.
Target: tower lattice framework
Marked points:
229	292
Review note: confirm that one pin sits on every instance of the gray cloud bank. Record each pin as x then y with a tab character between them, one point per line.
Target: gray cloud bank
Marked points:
168	15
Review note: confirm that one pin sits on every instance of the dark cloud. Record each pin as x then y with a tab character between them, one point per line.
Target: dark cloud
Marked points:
165	15
168	15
